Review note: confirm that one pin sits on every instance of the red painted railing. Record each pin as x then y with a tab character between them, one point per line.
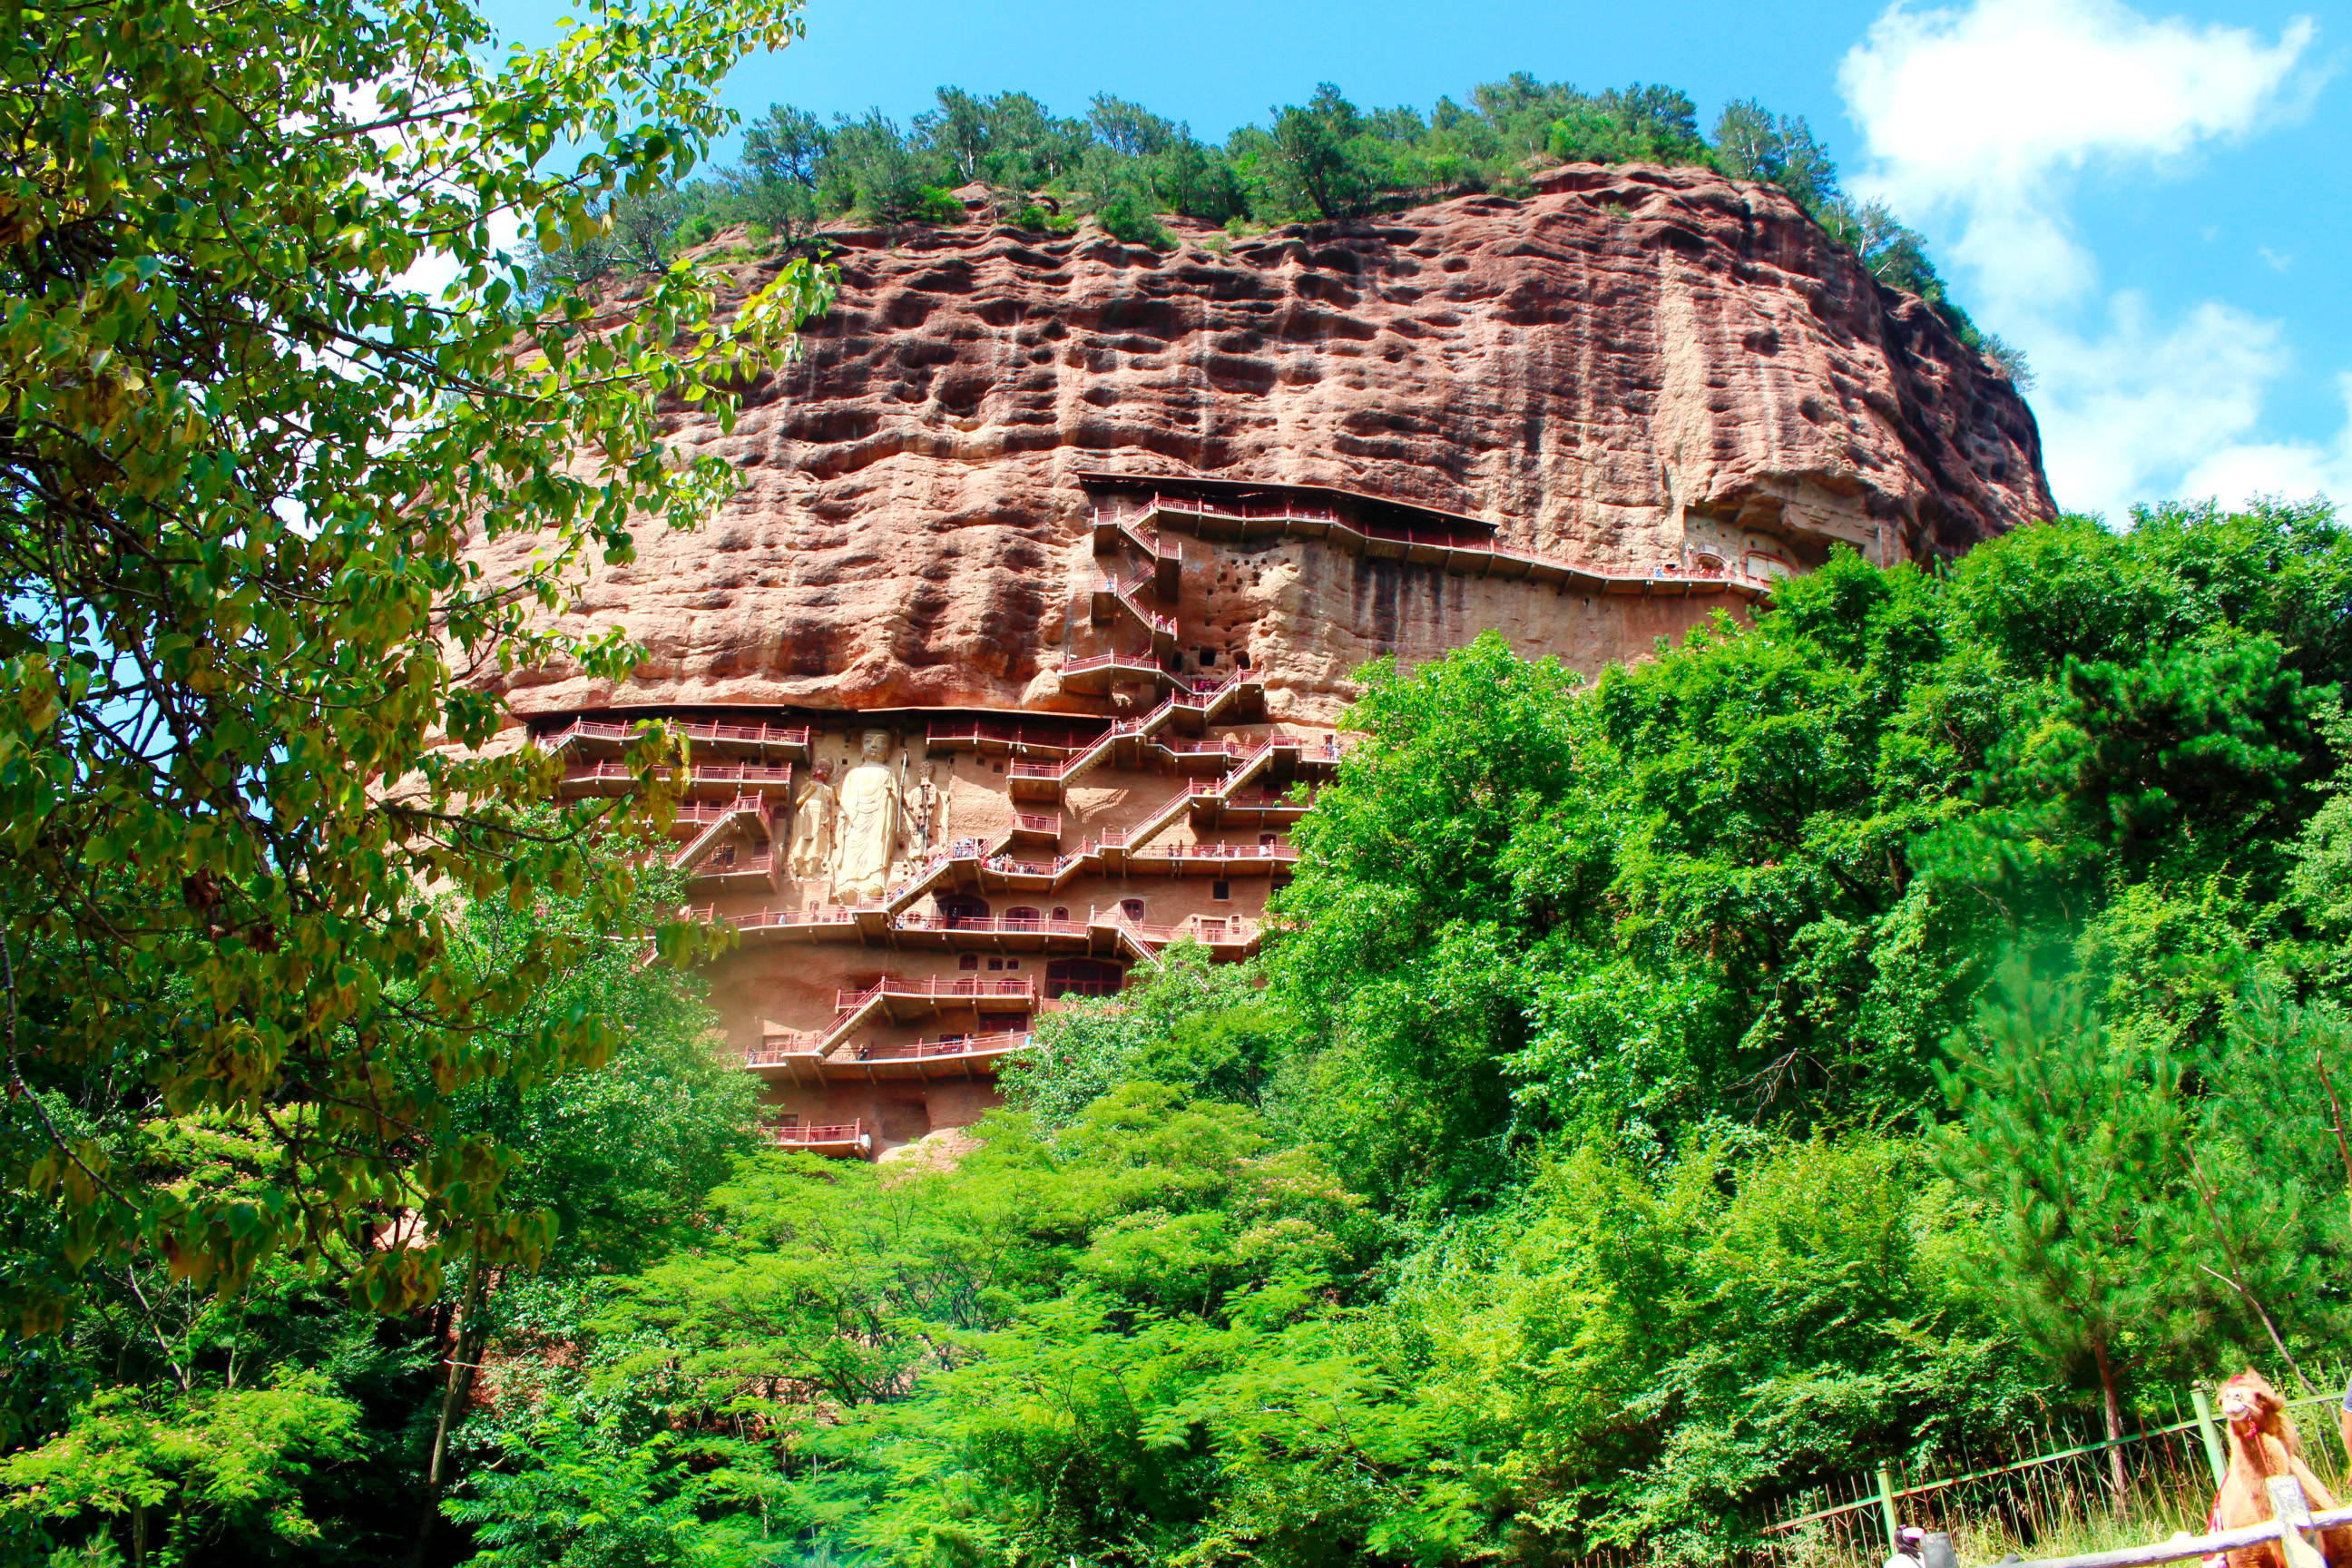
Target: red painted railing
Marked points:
1201	695
764	864
1219	852
1124	591
1023	989
698	772
932	1050
1005	865
703	813
1147	538
773	919
776	1050
585	729
751	734
1074	666
991	925
737	734
973	731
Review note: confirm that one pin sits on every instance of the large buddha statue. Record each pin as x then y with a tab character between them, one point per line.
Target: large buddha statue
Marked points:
870	820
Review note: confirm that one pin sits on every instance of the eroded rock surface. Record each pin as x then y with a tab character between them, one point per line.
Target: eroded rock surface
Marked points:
1634	368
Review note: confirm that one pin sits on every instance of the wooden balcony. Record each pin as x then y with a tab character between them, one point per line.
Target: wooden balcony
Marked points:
695	817
990	933
918	997
839	1139
734	868
1214	859
997	738
960	1056
1041	829
604	737
702	779
1098	672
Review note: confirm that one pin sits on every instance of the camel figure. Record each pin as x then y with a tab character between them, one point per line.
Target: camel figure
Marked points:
2263	1444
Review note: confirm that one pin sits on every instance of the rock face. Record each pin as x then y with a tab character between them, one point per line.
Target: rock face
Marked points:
1637	369
1167	504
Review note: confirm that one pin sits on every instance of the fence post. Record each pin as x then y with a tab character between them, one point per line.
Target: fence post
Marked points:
2294	1515
2217	1454
1886	1512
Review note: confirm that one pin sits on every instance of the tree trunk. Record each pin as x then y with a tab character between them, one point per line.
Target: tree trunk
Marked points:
2115	1419
465	1354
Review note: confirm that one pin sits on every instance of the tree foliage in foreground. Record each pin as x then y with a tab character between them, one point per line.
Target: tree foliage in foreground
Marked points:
1761	879
242	660
284	1421
1863	1034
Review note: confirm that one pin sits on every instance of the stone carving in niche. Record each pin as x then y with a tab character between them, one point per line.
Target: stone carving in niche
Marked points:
873	823
927	813
811	856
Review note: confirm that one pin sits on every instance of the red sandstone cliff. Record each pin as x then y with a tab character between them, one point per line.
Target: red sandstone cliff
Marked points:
1634	365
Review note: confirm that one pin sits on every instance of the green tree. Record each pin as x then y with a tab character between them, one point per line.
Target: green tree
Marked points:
619	1157
1633	125
187	1469
242	451
1130	130
1126	216
1764	874
1200	1027
1318	157
959	128
1635	1354
1753	143
871	165
593	1479
2072	1144
1196	180
776	184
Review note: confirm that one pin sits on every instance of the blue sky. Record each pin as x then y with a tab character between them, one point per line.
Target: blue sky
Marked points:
2151	200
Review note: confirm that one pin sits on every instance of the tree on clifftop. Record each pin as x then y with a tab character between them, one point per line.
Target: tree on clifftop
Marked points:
241	448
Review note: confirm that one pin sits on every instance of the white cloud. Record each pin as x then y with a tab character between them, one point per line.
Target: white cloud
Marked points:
1980	123
2296	469
436	269
1986	113
2126	406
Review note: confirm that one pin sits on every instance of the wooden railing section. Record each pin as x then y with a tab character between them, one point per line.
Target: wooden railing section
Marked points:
802	1135
761	735
1123	591
990	1045
958	988
759	774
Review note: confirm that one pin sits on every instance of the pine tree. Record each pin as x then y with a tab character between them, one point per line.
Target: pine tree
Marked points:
2071	1138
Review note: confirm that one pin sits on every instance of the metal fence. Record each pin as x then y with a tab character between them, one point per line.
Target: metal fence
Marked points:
2051	1482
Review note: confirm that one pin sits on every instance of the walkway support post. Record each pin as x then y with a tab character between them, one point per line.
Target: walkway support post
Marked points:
2292	1512
2217	1452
